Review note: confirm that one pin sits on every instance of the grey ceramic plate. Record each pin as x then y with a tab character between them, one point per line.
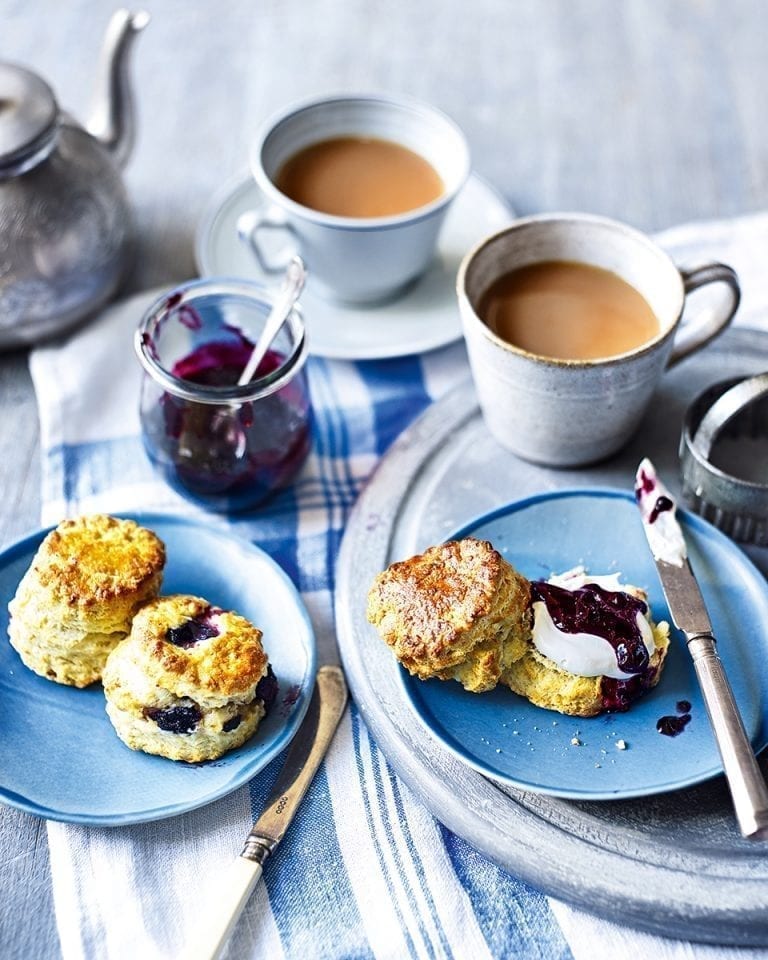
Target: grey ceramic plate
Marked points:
675	864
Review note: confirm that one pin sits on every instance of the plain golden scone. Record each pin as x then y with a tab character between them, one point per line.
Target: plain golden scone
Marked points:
77	599
458	611
546	684
190	682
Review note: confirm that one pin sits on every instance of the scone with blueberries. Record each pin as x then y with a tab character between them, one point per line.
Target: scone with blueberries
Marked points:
576	644
458	611
190	682
76	601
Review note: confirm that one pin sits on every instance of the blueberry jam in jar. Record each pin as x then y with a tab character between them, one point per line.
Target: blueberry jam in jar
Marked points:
225	446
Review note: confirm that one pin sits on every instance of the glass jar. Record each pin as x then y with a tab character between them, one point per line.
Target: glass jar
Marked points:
225	446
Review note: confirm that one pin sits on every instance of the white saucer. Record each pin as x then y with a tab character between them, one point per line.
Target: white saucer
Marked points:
426	316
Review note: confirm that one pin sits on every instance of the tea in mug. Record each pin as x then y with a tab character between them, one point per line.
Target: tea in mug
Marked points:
568	311
359	177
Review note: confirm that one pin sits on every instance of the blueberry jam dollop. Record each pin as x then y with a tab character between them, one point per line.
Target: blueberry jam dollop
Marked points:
609	614
266	690
613	616
231	455
192	632
181	719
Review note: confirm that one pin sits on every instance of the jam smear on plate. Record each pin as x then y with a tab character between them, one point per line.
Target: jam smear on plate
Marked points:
671	726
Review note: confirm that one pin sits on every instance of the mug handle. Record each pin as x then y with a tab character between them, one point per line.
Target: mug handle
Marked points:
704	327
252	222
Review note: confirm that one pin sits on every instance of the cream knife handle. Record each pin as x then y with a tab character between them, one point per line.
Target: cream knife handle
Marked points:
212	934
746	782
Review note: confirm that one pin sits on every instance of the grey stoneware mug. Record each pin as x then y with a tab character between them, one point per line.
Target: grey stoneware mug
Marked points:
360	260
569	413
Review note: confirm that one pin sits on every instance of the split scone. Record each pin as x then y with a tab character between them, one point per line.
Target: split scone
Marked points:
190	682
593	646
458	611
577	644
76	601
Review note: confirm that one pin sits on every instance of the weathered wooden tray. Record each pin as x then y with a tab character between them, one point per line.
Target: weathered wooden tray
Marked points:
675	864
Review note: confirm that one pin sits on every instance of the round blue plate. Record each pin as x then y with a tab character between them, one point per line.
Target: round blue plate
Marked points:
60	757
510	740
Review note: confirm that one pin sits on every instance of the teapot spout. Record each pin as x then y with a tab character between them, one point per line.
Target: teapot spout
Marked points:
112	120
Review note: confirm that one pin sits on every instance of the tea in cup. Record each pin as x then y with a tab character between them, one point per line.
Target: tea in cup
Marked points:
355	176
361	185
570	321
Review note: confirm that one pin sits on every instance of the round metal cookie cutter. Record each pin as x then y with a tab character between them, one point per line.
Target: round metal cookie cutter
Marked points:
736	409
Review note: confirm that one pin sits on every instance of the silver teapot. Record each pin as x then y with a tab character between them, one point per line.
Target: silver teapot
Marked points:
65	225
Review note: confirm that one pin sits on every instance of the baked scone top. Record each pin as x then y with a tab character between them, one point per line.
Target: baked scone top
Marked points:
97	558
428	608
189	648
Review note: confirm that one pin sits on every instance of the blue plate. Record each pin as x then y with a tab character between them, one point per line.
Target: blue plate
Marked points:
510	740
60	757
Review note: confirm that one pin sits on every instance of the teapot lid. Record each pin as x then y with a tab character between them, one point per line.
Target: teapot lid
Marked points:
28	115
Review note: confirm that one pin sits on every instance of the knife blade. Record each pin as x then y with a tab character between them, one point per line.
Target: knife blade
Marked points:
304	755
689	614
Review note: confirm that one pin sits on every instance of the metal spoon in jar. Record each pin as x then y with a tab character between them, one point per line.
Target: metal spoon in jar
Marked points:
293	284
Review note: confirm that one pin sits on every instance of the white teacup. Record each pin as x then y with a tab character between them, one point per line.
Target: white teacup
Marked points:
355	259
566	413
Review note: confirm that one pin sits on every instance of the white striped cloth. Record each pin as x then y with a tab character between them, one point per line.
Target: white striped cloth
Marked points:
365	871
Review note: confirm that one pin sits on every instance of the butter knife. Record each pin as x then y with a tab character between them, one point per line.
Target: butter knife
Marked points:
304	755
689	614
